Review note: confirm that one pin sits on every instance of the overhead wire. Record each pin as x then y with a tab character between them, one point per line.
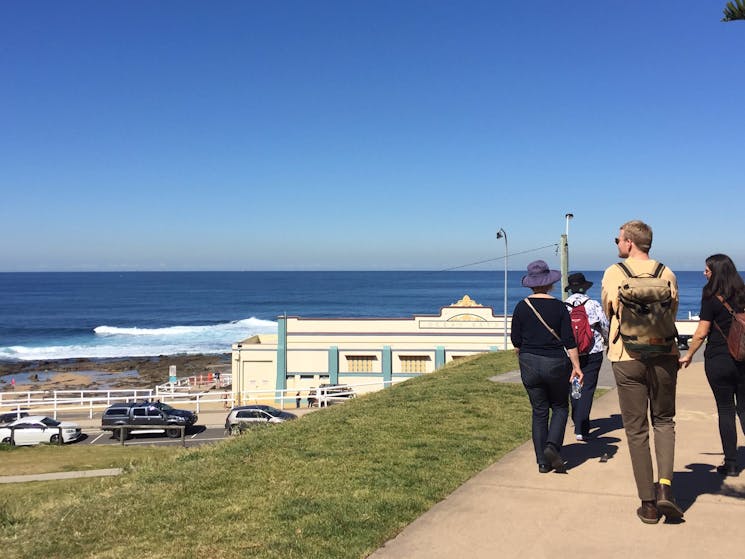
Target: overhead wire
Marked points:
554	245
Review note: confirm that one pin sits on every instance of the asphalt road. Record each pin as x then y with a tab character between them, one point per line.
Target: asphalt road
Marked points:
195	436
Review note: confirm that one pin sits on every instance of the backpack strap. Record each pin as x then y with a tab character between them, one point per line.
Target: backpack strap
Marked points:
625	269
630	274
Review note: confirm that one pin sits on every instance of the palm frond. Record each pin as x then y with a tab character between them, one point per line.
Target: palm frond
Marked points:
734	10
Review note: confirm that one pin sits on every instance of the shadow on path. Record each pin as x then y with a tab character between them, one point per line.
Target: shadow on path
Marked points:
598	446
703	479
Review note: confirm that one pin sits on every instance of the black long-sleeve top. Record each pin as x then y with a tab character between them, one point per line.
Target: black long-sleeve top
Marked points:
531	336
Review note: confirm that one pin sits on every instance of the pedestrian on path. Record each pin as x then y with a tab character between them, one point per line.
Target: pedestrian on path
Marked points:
725	375
591	361
549	361
646	383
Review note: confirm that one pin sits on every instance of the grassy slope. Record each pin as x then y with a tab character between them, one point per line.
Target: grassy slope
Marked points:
334	484
48	458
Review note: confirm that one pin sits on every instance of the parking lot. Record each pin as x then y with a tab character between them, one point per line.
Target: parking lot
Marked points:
196	435
209	428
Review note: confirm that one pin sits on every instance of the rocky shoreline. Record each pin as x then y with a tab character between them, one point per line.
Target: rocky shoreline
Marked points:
140	372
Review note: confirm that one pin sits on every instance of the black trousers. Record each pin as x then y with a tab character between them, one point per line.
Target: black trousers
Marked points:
727	381
546	380
581	407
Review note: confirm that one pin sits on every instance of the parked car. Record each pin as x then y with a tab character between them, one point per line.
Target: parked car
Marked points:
241	417
330	393
149	417
35	429
10	417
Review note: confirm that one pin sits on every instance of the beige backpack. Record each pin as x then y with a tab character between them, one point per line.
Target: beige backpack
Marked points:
645	314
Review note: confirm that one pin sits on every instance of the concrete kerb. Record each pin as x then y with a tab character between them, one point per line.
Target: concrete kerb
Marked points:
61	475
510	510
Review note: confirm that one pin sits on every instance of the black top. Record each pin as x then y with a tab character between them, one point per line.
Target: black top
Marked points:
531	336
715	312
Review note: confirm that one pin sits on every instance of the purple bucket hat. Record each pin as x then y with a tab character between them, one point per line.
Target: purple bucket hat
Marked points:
539	275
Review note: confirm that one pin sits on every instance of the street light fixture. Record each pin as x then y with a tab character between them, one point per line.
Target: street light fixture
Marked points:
502	234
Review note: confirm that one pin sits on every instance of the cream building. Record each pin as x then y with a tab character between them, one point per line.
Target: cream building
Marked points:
368	353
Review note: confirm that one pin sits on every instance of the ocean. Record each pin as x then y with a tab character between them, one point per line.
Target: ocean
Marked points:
133	314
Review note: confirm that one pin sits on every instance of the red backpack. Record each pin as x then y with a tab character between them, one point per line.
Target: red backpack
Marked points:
581	328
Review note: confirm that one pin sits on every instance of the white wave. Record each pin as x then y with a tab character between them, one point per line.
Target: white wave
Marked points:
112	342
253	324
21	353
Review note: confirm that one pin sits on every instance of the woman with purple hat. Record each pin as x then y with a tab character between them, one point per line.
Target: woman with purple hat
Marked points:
549	361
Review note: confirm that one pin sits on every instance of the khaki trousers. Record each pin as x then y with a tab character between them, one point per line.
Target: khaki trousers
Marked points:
647	389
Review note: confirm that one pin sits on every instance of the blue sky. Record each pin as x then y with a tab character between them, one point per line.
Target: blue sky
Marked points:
299	135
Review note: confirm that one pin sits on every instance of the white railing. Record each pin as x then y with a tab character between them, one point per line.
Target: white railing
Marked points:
55	401
320	396
52	403
195	381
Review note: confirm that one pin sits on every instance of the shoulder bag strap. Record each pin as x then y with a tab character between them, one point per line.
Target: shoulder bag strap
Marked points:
541	319
729	310
726	304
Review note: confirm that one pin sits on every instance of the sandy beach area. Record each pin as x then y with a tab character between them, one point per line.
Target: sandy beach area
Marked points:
128	372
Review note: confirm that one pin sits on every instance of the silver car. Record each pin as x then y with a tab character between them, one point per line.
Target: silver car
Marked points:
242	417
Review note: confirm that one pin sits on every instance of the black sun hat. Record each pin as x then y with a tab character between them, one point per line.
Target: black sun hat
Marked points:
577	283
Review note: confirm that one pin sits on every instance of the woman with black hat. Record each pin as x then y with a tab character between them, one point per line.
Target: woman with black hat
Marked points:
590	359
549	361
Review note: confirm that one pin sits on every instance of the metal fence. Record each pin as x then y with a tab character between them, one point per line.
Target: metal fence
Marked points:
45	402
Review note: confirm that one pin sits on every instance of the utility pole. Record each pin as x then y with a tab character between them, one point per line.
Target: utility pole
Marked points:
564	256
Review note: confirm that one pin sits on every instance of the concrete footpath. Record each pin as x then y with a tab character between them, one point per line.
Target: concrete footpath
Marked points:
510	510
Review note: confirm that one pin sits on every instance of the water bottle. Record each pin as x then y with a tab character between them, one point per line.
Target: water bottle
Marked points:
576	389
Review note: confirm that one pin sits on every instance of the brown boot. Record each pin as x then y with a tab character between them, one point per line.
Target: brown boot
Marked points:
666	502
648	513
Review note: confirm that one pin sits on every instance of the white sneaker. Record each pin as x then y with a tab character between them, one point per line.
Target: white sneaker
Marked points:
579	437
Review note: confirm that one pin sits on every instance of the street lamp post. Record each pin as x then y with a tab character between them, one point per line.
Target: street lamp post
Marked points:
502	234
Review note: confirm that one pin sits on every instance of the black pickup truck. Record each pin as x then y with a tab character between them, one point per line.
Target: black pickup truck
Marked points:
149	417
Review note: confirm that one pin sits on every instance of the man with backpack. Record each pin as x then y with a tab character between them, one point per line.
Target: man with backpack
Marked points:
590	327
640	296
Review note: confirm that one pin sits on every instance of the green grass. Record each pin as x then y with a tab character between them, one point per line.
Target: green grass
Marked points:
335	484
45	458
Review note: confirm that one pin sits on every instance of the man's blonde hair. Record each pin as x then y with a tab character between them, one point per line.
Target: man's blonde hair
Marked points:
639	233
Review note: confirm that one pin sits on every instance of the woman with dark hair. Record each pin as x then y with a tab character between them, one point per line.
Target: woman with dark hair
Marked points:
725	375
547	351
